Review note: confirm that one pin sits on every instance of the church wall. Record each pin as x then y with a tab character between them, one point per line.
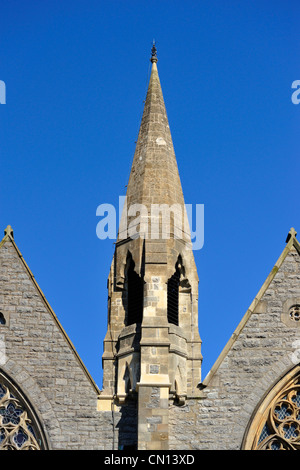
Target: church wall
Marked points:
265	349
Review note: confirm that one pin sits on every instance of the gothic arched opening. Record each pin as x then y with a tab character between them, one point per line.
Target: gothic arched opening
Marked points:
19	426
173	298
134	286
275	424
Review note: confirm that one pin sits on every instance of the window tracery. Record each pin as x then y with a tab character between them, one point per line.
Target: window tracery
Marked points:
294	313
17	431
279	426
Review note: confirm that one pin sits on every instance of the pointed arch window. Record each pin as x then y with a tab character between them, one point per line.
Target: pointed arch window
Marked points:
276	423
135	293
19	426
177	286
173	297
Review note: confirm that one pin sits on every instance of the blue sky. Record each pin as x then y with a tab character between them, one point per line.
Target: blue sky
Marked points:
76	75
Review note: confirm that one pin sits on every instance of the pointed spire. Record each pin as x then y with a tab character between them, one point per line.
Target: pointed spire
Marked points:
154	174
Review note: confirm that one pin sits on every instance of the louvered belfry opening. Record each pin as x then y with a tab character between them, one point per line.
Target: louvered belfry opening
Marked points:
135	295
173	298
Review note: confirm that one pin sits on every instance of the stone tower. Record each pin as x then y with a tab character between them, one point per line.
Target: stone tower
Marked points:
152	349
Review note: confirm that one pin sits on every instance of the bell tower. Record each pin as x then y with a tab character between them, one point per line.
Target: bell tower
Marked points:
152	349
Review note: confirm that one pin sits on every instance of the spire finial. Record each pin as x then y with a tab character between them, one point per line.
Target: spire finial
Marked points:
9	231
153	53
292	234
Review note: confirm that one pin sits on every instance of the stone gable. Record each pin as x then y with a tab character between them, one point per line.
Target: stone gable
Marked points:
261	351
42	361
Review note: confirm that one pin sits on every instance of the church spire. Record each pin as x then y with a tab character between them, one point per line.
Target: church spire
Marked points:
152	349
154	177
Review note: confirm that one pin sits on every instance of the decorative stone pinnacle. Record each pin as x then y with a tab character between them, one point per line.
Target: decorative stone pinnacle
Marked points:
9	231
153	53
292	234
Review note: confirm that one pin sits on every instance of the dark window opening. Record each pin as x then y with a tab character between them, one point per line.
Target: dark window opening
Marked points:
173	298
2	319
129	447
135	296
127	381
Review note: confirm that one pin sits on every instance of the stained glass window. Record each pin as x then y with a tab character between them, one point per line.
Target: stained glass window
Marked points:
278	427
17	429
